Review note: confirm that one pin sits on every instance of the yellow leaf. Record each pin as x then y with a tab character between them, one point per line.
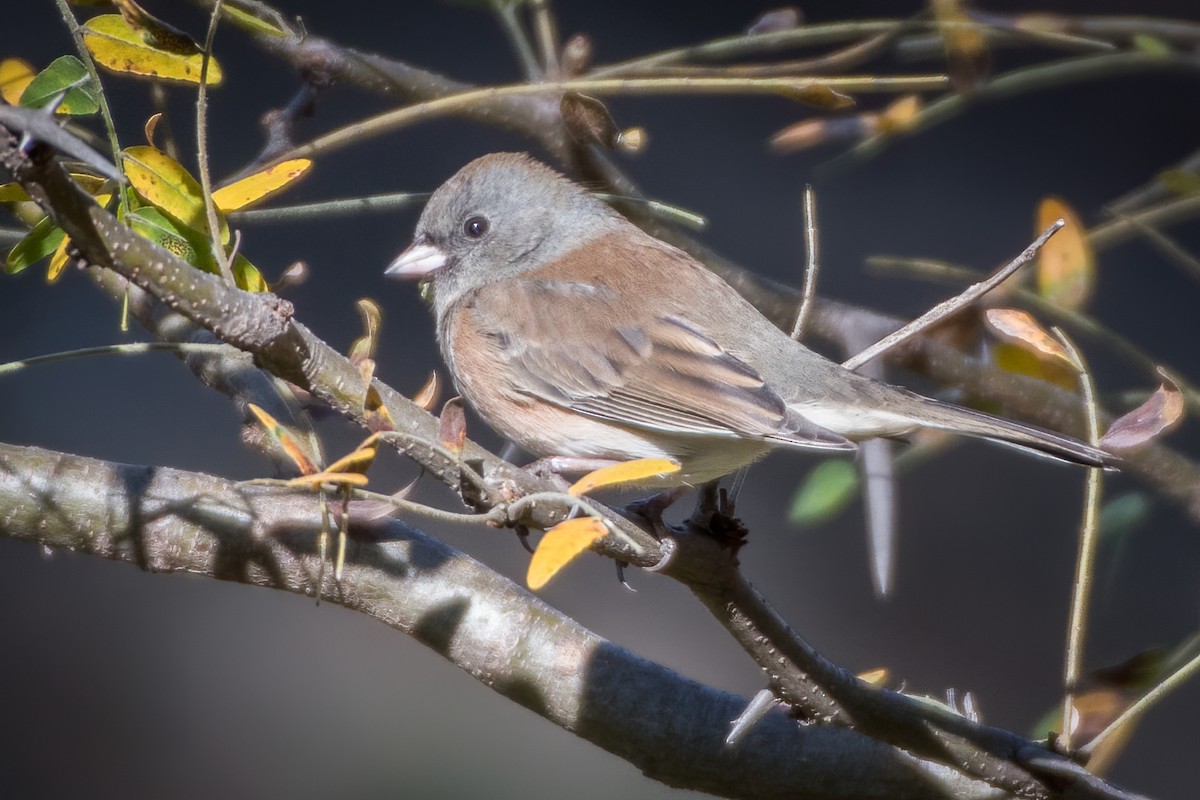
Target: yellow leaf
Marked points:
876	677
901	116
120	47
625	472
1066	266
364	347
360	459
250	22
165	184
15	75
257	187
561	545
290	444
58	261
13	193
315	480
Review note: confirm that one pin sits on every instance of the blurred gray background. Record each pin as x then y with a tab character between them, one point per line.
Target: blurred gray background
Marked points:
117	682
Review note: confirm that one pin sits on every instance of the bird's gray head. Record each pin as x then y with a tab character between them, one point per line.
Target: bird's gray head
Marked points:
499	216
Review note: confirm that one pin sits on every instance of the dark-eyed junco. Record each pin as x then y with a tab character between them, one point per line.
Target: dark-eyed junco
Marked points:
585	340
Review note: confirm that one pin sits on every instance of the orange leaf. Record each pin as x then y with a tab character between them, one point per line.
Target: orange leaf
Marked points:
625	472
452	425
290	444
1020	328
561	545
1066	266
427	395
255	188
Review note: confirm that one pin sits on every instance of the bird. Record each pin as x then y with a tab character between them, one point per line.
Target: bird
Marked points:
586	341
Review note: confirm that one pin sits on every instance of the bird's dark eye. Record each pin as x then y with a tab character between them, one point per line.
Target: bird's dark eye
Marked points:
475	227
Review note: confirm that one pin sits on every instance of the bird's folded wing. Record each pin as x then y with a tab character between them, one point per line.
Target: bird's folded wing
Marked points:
569	343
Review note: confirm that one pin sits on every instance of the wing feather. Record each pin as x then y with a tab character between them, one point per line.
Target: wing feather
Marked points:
570	344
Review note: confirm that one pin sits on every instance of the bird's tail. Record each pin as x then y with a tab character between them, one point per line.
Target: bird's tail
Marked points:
956	419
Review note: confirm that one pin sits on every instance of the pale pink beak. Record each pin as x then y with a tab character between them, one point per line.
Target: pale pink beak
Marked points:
418	261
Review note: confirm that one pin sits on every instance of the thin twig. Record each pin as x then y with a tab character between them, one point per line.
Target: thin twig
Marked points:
506	13
112	349
448	104
1017	82
1085	564
210	208
1168	247
1143	704
948	307
943	272
811	264
1155	189
849	57
329	209
85	55
751	44
546	31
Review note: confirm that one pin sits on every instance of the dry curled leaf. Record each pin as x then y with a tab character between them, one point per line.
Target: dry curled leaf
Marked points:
364	347
426	397
587	120
1162	410
452	425
294	275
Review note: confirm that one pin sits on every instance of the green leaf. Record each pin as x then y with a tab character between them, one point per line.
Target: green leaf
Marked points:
1124	514
65	74
153	50
40	242
829	488
191	246
1151	45
1180	182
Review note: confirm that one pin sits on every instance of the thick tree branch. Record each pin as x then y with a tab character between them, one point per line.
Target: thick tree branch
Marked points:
672	728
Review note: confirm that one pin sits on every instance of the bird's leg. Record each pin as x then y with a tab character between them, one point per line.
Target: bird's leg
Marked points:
714	516
552	468
651	508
